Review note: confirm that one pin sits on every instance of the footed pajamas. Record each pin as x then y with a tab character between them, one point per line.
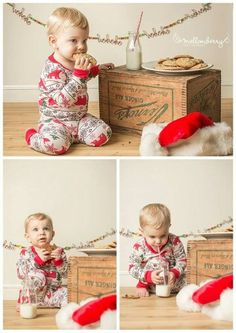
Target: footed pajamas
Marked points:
144	259
44	277
63	105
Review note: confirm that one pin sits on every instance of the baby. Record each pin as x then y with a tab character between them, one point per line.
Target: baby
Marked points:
63	100
44	265
156	245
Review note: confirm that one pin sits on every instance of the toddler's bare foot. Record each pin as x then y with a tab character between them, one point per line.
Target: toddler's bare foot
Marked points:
142	292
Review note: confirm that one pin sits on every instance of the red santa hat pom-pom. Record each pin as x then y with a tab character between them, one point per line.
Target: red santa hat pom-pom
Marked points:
183	128
211	291
92	311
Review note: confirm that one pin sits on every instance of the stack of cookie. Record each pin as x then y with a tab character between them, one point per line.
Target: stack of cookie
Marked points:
180	62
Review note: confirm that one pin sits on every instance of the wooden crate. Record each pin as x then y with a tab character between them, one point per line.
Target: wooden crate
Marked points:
209	259
91	277
129	100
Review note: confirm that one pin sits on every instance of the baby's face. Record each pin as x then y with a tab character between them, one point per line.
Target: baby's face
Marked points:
72	40
156	238
39	233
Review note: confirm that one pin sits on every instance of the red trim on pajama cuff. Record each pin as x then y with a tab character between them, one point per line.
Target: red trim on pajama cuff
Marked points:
176	272
141	285
58	262
147	276
81	73
94	70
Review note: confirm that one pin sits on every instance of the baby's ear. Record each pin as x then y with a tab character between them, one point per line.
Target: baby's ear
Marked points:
27	236
53	233
141	231
52	40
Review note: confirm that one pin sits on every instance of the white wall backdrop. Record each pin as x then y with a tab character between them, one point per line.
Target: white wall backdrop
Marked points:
79	195
208	36
199	194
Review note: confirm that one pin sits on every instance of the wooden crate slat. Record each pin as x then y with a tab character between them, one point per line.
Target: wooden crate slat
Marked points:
92	276
207	259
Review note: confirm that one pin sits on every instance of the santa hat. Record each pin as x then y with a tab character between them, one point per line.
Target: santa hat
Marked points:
92	313
194	134
211	291
214	298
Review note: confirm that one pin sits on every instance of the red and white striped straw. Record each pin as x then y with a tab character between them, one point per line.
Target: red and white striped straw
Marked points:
138	27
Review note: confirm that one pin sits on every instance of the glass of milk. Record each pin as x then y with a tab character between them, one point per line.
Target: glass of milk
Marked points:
133	52
28	301
163	290
28	310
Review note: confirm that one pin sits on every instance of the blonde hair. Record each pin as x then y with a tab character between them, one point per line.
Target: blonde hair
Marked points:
63	18
154	215
39	217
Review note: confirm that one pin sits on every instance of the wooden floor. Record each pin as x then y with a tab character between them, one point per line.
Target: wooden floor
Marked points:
144	313
20	116
12	320
162	313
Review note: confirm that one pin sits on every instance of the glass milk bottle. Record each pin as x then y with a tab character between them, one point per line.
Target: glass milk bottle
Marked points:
28	301
163	289
133	52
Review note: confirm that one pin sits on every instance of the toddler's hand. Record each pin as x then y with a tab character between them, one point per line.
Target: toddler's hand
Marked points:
156	278
142	292
83	63
106	66
56	254
171	279
43	254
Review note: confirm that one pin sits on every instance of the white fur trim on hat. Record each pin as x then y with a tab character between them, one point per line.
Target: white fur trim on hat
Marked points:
219	310
222	310
108	320
184	299
150	146
208	141
64	317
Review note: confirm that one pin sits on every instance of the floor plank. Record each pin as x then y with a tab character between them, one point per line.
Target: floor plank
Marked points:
145	313
20	116
12	320
162	313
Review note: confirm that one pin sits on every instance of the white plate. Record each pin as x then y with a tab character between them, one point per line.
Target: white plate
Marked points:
214	235
151	67
98	251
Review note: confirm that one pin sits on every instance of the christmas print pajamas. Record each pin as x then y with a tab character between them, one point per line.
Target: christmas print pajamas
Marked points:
45	278
144	259
63	105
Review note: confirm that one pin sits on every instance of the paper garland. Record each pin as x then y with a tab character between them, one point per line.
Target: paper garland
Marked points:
90	244
130	234
123	232
117	40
